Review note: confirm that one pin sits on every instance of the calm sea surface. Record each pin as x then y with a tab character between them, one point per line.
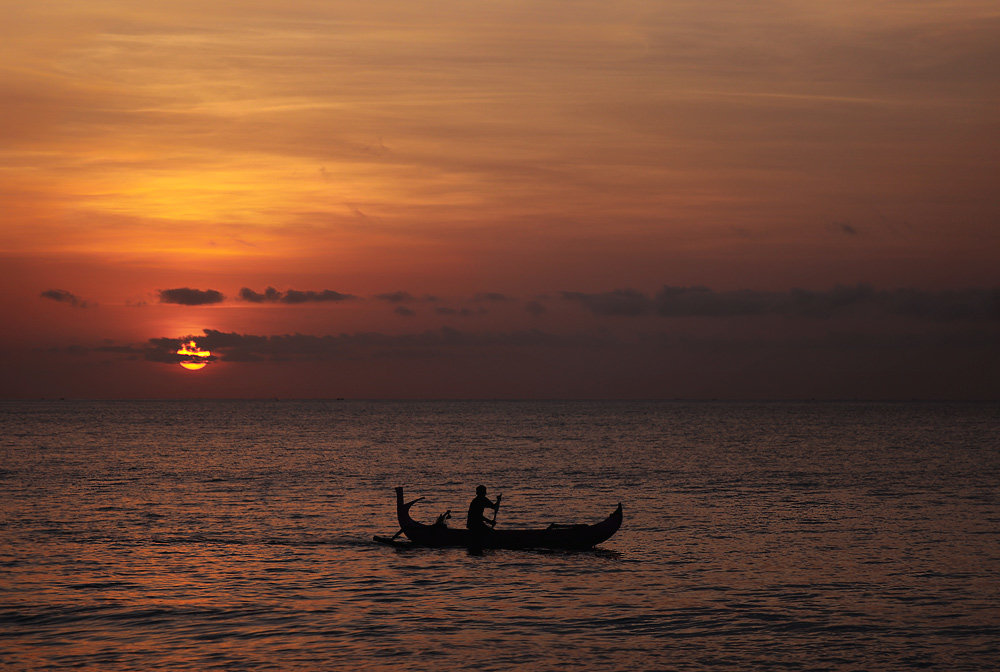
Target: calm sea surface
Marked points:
237	535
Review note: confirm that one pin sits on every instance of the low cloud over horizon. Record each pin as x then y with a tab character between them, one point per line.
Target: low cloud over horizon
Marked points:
63	296
677	342
396	297
969	304
187	296
238	347
294	296
859	300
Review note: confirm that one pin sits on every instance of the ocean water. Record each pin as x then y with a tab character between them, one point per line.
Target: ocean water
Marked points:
237	535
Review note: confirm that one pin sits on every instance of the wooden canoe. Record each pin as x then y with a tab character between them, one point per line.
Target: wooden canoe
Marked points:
568	537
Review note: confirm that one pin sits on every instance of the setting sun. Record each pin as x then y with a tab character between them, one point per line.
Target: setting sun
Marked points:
195	357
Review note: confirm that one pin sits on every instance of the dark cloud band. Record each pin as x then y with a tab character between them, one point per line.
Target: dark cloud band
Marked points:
232	346
293	296
972	304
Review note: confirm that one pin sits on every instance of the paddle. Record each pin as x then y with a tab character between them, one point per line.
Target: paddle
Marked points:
493	523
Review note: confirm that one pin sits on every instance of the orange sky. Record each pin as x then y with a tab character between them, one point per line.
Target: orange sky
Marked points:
549	152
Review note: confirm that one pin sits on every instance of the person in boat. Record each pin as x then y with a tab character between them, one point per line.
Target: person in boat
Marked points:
476	521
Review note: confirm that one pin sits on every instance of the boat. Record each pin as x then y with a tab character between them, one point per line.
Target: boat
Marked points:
555	536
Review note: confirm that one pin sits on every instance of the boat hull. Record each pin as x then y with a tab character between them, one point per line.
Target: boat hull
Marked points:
568	537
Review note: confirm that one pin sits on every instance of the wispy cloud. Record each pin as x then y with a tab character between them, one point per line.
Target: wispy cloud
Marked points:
535	308
625	302
294	296
396	297
448	311
491	297
63	296
309	296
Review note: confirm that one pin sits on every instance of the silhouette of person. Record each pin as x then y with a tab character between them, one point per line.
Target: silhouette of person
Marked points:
476	521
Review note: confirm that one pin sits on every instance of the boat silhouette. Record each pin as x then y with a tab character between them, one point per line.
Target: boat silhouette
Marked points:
556	536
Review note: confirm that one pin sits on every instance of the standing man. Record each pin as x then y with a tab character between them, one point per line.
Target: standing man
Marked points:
476	521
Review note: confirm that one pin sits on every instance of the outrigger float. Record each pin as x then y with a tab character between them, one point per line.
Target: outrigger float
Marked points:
555	536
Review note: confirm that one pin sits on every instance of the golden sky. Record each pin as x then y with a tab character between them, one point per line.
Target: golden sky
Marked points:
502	168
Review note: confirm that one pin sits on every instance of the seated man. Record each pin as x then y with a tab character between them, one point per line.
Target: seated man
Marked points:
476	521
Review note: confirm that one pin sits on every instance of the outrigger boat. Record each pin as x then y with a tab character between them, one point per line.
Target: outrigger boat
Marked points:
555	536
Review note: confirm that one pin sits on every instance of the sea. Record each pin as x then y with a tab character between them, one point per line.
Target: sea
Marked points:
237	535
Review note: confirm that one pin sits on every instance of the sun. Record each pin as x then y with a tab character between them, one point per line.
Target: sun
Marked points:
194	357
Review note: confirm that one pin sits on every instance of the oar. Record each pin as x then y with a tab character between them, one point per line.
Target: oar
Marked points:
391	541
493	524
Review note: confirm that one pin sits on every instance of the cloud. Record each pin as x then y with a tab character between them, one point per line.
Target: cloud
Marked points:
396	297
457	312
694	359
704	302
491	297
236	347
120	349
627	302
270	295
327	295
186	296
406	297
861	299
164	351
969	304
294	296
62	296
535	308
404	311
